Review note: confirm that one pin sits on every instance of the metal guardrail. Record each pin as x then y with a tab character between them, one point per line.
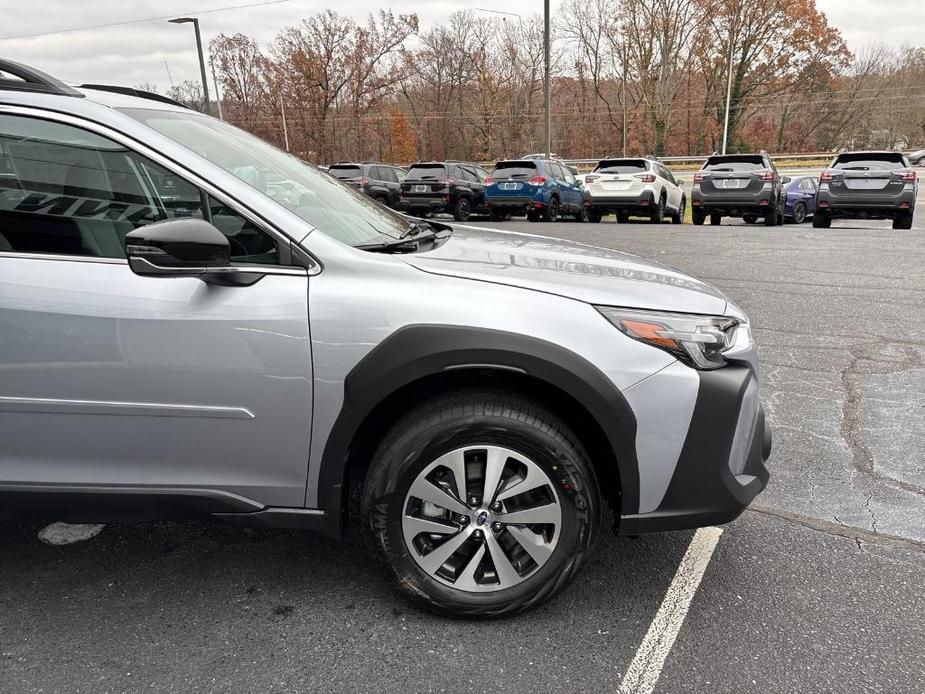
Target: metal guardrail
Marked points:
702	158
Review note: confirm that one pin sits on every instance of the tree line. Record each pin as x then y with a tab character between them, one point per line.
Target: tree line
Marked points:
634	76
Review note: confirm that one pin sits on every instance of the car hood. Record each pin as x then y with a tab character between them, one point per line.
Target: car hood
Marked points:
577	271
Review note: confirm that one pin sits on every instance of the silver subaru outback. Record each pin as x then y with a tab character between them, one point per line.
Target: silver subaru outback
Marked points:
194	322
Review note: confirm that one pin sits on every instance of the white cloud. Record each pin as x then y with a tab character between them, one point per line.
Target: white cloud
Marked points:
136	53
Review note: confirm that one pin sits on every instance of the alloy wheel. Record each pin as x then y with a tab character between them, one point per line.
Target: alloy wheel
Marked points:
481	518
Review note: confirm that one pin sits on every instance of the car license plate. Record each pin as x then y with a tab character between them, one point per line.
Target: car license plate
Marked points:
510	186
421	189
865	184
616	185
732	183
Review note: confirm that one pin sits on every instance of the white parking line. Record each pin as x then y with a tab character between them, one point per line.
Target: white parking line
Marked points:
643	673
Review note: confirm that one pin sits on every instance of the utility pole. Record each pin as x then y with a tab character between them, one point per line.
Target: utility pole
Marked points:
218	96
282	108
623	97
732	35
202	61
547	96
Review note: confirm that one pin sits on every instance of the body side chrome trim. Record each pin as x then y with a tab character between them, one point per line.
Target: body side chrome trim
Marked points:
135	409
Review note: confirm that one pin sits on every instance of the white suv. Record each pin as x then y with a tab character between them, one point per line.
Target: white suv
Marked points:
638	187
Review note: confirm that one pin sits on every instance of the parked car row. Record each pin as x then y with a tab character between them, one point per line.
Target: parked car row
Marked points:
857	185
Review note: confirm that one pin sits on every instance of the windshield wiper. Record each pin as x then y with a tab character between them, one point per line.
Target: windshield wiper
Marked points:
409	241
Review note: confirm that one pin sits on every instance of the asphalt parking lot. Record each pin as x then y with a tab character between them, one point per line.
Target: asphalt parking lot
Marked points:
817	589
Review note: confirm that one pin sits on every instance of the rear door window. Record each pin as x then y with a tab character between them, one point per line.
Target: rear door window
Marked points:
346	172
427	171
622	166
734	164
870	162
515	169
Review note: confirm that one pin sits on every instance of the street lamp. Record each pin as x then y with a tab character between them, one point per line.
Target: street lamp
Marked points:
202	62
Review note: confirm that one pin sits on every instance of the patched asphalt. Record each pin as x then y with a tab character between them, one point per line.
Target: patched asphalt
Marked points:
818	590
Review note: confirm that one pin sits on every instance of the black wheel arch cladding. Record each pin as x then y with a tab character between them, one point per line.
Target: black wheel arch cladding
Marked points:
418	351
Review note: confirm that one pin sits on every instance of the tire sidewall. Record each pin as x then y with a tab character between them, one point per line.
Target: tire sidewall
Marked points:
401	463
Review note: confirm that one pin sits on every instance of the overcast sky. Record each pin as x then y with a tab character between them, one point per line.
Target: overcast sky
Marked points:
135	53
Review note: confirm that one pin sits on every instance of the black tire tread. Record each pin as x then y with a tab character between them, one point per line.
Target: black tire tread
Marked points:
460	405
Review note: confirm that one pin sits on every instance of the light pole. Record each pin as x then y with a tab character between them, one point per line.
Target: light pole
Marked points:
547	96
732	36
218	96
202	62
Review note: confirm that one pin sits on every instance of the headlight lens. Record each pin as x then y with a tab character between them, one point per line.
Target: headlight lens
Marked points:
698	341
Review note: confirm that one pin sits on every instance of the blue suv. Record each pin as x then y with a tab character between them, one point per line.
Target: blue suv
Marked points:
543	189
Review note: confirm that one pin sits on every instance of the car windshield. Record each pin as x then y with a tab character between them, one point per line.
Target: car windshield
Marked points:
868	162
308	192
346	171
426	171
621	167
737	164
514	169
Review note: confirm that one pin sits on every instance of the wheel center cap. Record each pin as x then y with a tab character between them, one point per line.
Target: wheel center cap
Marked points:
481	518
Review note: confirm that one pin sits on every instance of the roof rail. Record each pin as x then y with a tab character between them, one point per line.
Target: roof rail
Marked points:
27	79
130	91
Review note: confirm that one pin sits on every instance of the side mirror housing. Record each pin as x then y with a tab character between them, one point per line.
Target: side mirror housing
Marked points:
184	247
785	180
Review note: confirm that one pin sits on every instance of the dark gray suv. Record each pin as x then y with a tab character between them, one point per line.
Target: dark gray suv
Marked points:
867	185
738	185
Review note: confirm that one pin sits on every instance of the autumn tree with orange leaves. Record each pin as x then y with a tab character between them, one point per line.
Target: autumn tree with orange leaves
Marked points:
471	88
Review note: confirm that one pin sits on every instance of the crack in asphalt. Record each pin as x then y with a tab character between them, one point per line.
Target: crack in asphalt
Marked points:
839	529
862	457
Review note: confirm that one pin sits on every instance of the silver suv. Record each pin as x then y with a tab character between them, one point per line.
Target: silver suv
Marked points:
194	322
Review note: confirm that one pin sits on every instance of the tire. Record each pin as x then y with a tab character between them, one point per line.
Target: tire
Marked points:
716	219
583	216
821	220
533	216
799	213
551	213
595	216
678	217
382	200
434	439
463	209
698	217
496	215
770	219
903	222
658	214
623	217
750	218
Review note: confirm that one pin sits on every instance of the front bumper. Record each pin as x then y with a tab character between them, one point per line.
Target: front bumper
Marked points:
722	465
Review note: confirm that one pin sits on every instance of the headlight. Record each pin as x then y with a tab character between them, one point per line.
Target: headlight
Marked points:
698	341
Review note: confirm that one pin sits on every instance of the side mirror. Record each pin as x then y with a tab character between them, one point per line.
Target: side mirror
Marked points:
184	248
785	180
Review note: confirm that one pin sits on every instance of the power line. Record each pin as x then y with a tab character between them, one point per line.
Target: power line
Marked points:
142	20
